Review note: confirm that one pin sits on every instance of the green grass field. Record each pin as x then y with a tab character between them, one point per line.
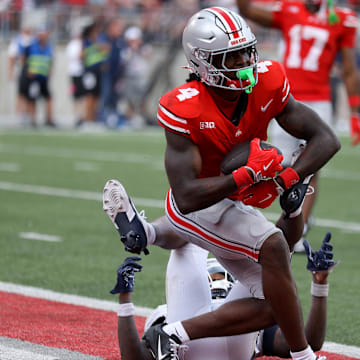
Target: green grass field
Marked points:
52	182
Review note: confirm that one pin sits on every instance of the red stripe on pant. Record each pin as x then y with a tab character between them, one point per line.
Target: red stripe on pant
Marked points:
199	232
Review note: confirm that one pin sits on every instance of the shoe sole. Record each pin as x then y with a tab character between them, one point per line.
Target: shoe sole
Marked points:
116	202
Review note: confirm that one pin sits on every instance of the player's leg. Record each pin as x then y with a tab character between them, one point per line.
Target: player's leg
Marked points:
187	285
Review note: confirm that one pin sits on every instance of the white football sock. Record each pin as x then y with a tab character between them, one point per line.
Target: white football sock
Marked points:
178	330
150	232
306	354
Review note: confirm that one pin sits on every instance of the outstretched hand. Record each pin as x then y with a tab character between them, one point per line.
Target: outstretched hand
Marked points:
321	260
126	275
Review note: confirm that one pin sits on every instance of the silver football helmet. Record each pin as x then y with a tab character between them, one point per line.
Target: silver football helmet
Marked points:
221	282
213	40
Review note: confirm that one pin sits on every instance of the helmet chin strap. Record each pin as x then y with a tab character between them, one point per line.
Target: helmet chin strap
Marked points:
248	76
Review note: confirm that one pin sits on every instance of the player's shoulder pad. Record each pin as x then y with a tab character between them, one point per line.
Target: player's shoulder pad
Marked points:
348	17
184	101
271	74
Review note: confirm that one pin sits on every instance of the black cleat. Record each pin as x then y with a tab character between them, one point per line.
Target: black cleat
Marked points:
161	345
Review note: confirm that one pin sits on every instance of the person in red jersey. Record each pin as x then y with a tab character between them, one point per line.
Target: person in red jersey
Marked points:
314	32
230	98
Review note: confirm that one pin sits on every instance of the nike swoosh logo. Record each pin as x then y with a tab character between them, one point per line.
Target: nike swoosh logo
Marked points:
268	197
264	108
161	356
268	165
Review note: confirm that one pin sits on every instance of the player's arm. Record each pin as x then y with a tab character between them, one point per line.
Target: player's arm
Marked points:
352	85
255	13
320	264
131	347
303	123
183	165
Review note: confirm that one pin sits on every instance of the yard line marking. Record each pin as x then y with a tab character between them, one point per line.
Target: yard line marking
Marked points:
336	224
68	298
81	154
86	166
41	237
340	174
153	203
10	167
348	350
72	194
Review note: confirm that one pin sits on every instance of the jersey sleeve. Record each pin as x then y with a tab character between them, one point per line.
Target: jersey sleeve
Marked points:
169	121
350	24
179	108
276	83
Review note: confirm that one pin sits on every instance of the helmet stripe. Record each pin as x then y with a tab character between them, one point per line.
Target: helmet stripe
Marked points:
227	19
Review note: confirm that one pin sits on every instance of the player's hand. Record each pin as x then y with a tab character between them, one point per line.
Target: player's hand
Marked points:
263	163
126	275
355	128
321	260
261	195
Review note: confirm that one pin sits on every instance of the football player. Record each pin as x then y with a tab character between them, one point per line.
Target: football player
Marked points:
193	284
231	98
314	32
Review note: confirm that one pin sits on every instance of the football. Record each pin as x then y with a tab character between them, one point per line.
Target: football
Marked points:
238	156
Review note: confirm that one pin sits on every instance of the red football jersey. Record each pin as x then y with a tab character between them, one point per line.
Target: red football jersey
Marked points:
310	46
191	111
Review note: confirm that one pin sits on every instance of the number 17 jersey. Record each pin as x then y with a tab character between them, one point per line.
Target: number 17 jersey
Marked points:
310	46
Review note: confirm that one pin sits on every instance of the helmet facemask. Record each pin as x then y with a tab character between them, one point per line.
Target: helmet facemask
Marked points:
220	73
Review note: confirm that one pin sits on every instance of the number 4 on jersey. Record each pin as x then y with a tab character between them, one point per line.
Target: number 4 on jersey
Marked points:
187	93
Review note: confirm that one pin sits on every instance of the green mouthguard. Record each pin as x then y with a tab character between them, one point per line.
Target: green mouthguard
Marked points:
247	74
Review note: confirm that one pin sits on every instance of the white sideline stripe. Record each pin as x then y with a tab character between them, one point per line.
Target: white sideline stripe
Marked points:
67	298
159	204
10	353
37	236
348	350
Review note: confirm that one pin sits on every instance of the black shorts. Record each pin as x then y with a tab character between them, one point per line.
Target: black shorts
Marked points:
77	88
91	81
36	87
22	84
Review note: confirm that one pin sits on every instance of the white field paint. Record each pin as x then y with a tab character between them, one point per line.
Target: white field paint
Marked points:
10	353
86	166
9	167
347	226
347	350
41	237
92	155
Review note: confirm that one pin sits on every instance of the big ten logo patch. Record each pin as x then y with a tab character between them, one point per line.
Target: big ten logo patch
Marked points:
207	125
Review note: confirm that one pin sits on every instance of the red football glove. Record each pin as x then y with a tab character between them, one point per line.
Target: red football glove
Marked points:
355	128
261	195
263	163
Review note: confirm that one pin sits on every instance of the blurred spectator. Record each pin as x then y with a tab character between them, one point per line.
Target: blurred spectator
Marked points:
15	50
94	53
112	71
37	60
133	83
76	71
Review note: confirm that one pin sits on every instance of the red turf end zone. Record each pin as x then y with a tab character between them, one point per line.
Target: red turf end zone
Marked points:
72	327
